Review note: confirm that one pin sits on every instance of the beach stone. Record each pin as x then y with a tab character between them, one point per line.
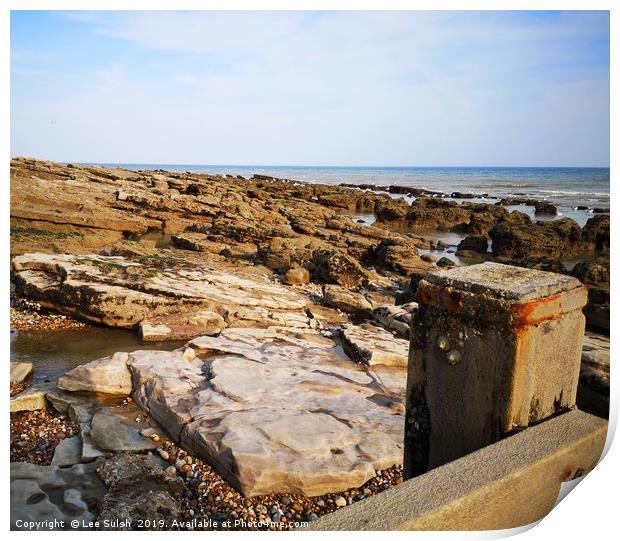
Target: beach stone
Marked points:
596	272
181	326
445	262
544	208
372	345
20	371
78	408
345	300
267	408
68	452
111	431
336	267
297	276
475	243
154	333
31	399
47	493
596	275
108	375
395	318
90	450
398	254
557	238
597	230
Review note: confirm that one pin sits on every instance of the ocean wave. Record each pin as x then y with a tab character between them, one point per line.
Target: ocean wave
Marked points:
505	185
564	192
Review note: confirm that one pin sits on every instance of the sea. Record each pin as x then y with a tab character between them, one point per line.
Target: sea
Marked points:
566	187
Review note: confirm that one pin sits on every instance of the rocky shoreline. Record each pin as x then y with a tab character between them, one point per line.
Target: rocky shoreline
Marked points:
287	399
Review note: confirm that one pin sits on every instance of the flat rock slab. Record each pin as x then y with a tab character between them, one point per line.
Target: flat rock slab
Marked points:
112	431
181	326
108	375
33	398
373	345
117	292
275	410
20	371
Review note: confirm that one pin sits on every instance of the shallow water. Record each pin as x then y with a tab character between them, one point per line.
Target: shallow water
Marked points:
55	352
580	216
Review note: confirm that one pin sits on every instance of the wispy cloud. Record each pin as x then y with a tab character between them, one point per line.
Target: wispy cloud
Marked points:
340	87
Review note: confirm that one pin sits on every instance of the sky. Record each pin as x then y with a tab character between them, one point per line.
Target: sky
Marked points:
312	88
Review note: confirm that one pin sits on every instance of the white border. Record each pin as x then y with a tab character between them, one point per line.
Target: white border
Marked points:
588	512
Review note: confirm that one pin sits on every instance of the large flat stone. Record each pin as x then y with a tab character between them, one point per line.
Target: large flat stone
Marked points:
275	410
345	300
121	293
108	375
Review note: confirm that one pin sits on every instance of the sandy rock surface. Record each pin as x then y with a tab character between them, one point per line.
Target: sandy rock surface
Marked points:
123	293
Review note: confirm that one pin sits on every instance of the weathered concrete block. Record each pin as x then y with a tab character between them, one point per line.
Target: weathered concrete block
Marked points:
494	348
511	483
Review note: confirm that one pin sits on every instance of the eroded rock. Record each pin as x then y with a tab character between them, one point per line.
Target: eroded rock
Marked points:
46	493
275	410
108	375
138	490
345	300
557	238
372	345
112	432
21	371
335	267
122	293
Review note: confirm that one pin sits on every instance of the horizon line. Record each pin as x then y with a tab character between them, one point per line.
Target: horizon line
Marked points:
344	166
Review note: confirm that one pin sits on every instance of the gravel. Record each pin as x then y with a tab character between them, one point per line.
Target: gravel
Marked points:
35	435
27	315
213	504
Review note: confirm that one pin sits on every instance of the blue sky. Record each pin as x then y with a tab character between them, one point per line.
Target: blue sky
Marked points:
312	88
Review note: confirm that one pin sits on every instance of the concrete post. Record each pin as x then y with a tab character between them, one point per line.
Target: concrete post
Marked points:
494	348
